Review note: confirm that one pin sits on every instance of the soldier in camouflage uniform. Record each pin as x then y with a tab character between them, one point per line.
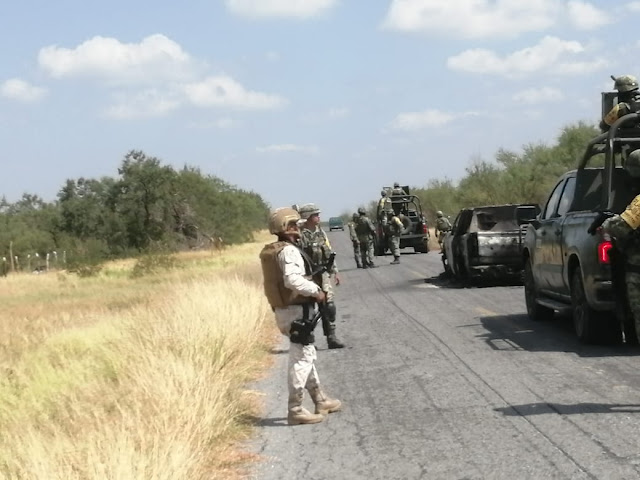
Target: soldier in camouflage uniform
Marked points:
385	208
628	100
354	240
366	233
314	242
624	229
395	230
443	225
397	189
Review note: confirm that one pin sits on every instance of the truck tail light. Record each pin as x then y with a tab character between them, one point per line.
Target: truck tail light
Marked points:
425	228
603	251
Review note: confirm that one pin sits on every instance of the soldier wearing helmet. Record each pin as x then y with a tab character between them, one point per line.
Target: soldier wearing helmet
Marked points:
628	100
366	233
384	208
443	225
292	297
315	244
625	231
397	189
354	240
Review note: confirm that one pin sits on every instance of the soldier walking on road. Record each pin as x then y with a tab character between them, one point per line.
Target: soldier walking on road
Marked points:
624	228
292	298
366	233
315	244
395	229
354	240
443	225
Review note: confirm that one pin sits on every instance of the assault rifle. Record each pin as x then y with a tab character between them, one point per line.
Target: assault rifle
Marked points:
598	221
302	329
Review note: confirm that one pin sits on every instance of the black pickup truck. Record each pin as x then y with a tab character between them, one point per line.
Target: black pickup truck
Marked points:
565	268
487	240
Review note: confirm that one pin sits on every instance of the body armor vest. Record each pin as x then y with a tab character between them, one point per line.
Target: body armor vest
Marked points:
277	294
315	245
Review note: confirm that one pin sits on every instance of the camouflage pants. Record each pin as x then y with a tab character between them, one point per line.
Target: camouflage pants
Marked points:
395	245
356	253
632	280
366	251
327	286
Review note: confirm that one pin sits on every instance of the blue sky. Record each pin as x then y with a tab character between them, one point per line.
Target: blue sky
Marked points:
299	100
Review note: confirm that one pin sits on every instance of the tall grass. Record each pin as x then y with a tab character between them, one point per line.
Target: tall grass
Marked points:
114	377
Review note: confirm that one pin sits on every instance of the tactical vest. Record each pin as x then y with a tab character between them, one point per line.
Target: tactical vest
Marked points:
396	226
315	245
362	226
443	224
277	294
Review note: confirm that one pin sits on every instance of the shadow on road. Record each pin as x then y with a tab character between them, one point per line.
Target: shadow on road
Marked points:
518	332
543	408
265	422
445	280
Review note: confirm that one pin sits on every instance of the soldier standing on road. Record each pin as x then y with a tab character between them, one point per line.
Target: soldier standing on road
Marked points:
628	100
395	229
315	243
354	240
292	297
366	233
443	225
624	229
384	208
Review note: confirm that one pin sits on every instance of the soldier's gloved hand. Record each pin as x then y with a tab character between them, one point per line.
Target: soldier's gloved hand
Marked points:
320	296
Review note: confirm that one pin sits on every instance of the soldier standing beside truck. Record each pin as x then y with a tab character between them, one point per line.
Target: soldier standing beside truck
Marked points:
443	225
395	230
366	233
354	240
624	229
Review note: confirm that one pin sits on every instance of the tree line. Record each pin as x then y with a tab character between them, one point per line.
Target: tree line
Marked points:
149	206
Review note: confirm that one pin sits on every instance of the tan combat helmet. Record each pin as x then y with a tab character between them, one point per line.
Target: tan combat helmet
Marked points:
625	83
439	214
307	210
281	218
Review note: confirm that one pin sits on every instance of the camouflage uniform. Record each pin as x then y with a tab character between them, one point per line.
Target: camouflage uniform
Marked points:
397	189
315	244
624	228
354	240
384	208
395	230
366	232
628	100
443	225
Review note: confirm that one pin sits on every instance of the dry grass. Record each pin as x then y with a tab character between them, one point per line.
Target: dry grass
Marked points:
111	377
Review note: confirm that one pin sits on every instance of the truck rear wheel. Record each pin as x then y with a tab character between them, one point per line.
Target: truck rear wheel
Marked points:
535	311
589	324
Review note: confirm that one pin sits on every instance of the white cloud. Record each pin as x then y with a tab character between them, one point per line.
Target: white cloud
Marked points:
145	104
224	91
472	18
22	91
551	55
633	6
221	123
300	9
412	121
538	95
289	148
585	16
155	58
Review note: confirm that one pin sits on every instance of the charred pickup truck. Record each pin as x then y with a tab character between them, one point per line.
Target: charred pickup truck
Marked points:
416	231
487	240
565	268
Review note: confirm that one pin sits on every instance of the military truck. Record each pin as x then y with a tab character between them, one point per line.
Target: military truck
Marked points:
566	269
416	230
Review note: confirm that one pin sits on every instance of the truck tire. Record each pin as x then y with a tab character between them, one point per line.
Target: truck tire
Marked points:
535	311
588	323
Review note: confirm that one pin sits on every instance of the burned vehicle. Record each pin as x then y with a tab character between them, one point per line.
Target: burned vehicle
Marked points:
487	240
416	230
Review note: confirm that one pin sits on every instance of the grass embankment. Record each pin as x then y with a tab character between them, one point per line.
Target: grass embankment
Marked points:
115	377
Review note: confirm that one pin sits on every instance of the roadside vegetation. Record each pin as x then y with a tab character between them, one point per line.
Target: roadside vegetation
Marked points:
133	375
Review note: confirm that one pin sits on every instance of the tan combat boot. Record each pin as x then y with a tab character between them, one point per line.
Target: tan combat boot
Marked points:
324	404
298	415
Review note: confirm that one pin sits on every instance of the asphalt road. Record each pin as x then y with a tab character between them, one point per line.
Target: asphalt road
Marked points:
441	381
